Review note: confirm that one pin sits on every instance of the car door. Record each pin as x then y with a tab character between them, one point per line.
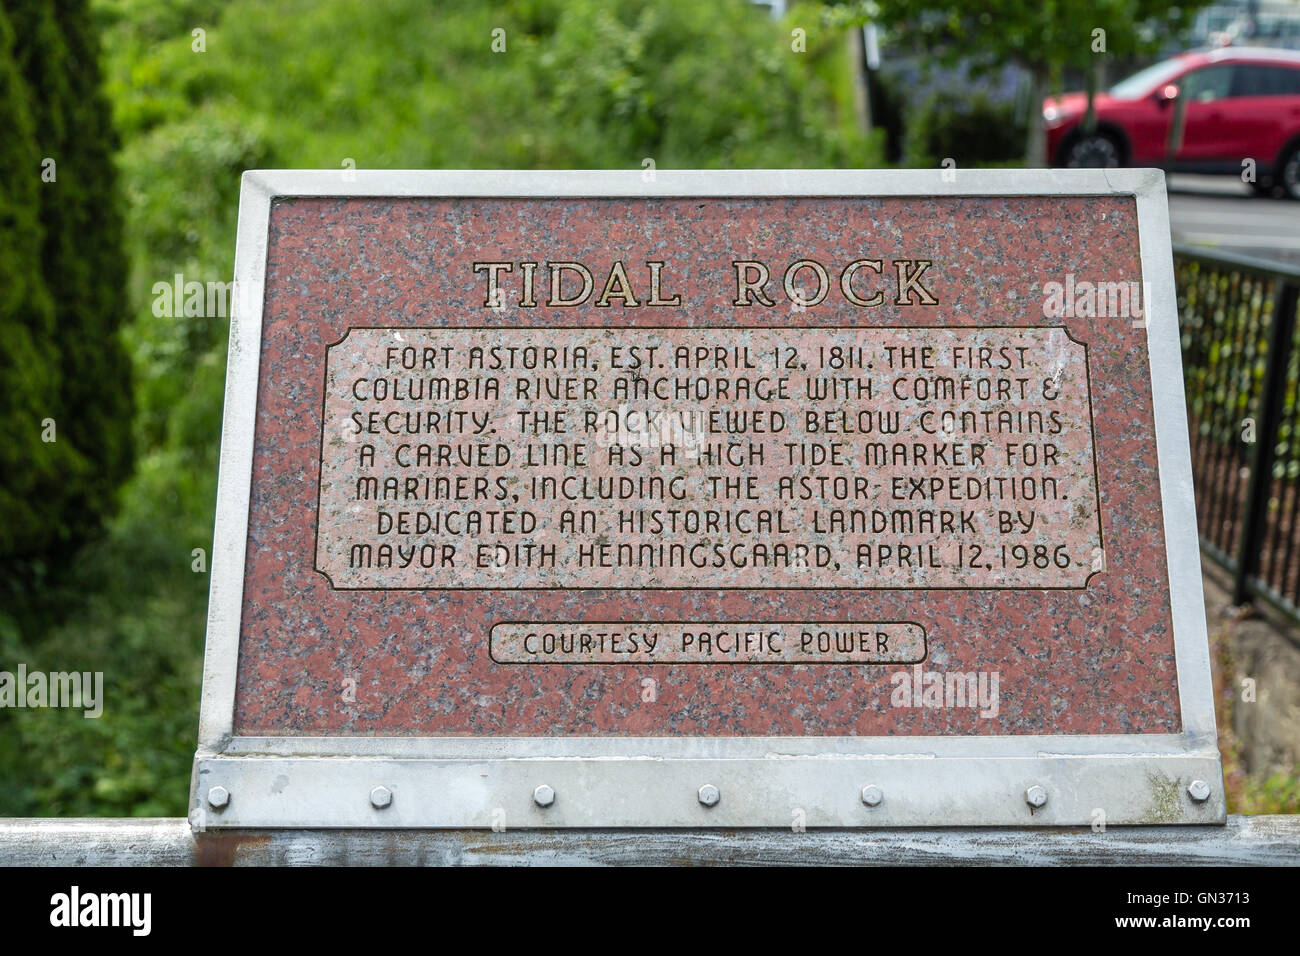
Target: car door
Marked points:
1198	136
1260	114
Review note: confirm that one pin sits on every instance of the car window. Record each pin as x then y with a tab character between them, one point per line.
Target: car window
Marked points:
1144	81
1208	84
1264	80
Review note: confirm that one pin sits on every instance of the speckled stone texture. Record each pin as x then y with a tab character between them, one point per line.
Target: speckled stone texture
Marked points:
881	447
1094	660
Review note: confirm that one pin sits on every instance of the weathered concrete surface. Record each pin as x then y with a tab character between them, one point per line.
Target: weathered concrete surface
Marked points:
1261	840
1264	650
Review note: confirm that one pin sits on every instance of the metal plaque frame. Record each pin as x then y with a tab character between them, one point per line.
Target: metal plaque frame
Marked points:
312	782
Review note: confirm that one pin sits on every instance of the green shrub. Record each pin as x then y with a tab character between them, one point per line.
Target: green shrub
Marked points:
970	128
1277	793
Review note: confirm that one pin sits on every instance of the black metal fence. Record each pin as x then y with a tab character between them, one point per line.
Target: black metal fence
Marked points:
1241	362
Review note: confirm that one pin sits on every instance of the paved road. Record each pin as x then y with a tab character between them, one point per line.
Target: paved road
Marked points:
1221	212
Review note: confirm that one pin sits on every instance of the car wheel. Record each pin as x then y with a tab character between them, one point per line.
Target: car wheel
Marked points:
1288	173
1093	151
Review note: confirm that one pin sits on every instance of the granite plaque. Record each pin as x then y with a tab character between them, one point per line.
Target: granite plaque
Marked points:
735	499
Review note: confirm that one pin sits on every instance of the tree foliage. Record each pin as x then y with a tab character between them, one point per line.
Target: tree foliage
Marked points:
66	376
28	383
403	84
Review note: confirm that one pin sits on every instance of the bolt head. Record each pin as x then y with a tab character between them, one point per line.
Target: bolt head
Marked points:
1198	790
218	797
543	796
1036	796
872	795
709	795
380	797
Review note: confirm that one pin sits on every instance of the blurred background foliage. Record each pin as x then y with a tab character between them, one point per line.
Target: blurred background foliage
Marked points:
303	84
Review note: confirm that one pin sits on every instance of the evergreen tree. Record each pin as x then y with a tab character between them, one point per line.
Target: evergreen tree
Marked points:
65	243
29	381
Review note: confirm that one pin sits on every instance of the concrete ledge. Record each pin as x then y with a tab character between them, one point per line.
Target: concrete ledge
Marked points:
1260	840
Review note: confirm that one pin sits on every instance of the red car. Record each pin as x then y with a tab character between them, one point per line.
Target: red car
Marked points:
1206	112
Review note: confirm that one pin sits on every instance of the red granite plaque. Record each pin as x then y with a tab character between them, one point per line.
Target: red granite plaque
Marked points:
586	468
